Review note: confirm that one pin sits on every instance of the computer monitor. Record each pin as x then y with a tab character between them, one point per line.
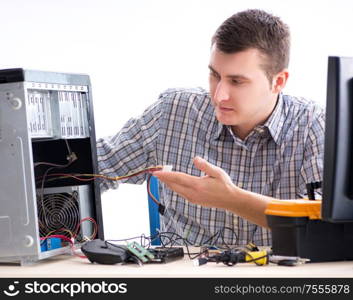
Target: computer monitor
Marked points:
337	202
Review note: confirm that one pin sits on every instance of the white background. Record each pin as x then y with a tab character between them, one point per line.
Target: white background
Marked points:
135	49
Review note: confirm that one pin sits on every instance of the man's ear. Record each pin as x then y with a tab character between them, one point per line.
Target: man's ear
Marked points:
279	81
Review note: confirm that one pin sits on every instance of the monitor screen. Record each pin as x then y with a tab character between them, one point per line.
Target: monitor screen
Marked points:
337	202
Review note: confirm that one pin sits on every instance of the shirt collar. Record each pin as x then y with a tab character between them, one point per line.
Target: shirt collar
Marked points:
274	123
219	128
276	120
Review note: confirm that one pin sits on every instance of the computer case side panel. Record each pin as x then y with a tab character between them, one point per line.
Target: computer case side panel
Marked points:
45	117
19	230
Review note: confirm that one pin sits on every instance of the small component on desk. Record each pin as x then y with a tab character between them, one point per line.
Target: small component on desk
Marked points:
234	256
166	254
103	252
140	252
288	260
200	261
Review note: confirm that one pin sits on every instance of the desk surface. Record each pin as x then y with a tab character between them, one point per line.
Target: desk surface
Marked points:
73	266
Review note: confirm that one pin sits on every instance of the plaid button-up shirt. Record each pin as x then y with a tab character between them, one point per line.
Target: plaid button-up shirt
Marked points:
276	159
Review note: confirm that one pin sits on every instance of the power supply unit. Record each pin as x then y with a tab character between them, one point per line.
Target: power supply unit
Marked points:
47	137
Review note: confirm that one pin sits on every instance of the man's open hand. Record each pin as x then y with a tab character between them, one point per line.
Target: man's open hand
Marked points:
211	190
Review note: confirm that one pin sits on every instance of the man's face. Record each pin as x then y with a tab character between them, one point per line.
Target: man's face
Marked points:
240	91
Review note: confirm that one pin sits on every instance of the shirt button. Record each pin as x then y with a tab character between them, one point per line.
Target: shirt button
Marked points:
260	130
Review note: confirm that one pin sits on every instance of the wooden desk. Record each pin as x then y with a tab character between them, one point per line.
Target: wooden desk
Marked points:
72	266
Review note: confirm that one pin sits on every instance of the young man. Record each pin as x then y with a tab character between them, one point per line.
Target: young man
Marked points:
250	141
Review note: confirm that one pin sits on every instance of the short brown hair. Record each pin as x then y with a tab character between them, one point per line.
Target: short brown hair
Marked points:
260	30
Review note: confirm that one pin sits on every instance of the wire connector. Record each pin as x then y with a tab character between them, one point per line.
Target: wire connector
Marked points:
311	187
161	209
71	157
167	168
200	261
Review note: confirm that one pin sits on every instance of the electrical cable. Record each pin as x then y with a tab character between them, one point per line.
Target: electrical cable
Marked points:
73	236
161	207
229	257
173	238
95	228
71	158
96	176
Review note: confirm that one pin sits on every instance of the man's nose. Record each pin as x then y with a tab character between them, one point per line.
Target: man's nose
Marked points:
221	92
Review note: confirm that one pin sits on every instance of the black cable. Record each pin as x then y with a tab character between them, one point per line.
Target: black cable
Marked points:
186	244
127	239
169	239
255	260
231	230
234	256
253	234
161	207
179	237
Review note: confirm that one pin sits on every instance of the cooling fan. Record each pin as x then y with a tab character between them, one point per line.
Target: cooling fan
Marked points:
59	213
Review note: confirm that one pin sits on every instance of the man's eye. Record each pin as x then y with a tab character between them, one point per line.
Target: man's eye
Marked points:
236	82
214	75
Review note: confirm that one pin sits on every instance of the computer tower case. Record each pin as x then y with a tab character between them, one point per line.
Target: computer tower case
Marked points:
46	132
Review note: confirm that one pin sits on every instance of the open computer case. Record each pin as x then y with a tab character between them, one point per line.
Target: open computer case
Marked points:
46	132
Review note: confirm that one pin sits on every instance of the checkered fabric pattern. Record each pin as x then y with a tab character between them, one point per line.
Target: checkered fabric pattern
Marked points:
276	159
